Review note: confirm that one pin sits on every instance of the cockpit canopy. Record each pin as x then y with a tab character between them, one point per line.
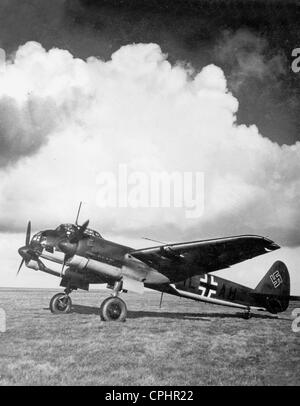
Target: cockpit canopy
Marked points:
66	228
69	229
92	233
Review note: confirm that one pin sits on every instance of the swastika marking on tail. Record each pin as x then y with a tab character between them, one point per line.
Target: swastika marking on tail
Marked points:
276	279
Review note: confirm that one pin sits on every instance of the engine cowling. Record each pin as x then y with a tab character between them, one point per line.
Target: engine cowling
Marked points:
101	268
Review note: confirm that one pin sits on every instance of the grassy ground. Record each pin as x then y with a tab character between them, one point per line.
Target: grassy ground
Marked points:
184	343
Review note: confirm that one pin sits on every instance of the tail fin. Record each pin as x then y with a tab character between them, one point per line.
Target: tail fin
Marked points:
275	287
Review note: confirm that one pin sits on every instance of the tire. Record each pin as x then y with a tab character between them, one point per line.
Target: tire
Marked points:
113	309
60	303
101	306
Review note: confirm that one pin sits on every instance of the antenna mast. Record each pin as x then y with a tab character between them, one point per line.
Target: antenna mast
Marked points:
78	212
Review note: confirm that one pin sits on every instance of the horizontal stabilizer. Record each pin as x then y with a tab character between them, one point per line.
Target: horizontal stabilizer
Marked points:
294	297
264	295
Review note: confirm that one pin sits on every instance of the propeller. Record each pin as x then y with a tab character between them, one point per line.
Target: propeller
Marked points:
21	264
23	250
78	235
28	234
69	246
64	264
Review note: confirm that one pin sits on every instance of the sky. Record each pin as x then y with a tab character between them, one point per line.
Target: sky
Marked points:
158	86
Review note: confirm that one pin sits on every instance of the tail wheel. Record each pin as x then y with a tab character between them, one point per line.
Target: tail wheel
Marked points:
60	303
113	309
247	314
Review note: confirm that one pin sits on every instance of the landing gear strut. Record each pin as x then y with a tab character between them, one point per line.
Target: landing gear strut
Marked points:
61	302
113	308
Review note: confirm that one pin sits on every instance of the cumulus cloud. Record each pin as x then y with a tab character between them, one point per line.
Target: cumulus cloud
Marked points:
23	129
64	120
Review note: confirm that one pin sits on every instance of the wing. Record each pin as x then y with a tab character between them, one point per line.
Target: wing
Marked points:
179	261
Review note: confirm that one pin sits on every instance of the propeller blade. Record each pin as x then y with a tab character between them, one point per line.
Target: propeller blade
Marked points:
79	234
21	264
28	232
84	226
86	223
66	258
23	251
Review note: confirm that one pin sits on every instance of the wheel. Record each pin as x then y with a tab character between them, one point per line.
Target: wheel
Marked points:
101	306
113	309
247	316
60	303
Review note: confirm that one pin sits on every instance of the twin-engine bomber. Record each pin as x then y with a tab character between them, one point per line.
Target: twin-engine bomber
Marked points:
181	269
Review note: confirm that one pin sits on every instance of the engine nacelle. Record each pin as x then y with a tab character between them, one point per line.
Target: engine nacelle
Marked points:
96	266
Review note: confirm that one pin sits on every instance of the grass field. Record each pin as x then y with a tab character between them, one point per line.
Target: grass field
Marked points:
183	343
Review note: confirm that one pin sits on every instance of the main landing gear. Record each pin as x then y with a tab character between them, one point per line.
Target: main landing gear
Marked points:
61	302
113	308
